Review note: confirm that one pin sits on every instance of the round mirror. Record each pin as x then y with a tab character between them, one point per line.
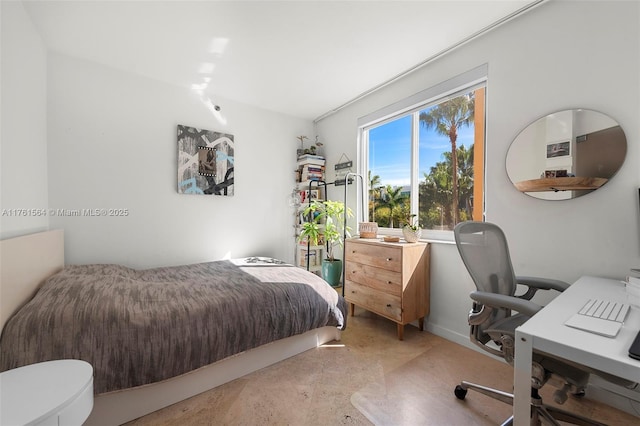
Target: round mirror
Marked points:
566	154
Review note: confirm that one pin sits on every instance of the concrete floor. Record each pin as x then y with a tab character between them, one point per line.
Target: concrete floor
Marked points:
369	377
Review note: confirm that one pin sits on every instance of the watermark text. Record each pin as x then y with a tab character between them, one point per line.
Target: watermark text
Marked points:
99	212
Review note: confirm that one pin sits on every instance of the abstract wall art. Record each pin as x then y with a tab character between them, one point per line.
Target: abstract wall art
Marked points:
205	162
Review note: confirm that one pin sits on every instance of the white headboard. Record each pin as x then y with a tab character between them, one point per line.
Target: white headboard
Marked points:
25	262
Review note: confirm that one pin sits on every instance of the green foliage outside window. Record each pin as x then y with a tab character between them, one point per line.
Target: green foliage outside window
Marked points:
445	193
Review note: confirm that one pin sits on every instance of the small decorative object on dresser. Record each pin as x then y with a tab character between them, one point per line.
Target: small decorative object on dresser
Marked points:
410	235
390	279
411	229
368	229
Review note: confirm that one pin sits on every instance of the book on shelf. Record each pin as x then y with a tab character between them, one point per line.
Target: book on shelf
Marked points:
315	168
312	161
310	172
306	163
310	156
314	255
312	168
303	258
311	176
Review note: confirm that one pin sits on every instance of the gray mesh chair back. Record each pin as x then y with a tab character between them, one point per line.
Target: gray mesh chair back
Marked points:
485	253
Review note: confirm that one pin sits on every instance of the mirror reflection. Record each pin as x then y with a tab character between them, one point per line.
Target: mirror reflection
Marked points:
566	154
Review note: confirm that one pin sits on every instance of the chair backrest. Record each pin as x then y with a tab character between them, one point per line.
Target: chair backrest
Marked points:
485	253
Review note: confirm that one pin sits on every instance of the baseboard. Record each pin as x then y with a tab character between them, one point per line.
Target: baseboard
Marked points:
461	339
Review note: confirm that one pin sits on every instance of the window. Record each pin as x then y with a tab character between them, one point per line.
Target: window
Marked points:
407	153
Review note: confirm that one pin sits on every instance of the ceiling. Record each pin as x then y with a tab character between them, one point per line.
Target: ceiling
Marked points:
302	58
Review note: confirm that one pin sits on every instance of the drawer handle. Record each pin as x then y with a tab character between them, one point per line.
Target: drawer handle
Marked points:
389	282
388	305
389	259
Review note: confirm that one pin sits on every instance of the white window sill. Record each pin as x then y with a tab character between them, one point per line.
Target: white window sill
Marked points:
428	236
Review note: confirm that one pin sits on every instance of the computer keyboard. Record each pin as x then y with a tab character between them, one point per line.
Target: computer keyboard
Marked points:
599	316
612	311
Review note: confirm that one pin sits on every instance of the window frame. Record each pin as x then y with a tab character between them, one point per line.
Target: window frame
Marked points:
412	105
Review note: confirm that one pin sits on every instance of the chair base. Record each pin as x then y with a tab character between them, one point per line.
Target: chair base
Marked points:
539	411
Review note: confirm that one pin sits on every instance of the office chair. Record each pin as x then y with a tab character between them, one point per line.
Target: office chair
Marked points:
485	253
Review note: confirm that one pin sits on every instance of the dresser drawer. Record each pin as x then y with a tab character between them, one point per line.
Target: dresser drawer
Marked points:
376	278
384	257
374	300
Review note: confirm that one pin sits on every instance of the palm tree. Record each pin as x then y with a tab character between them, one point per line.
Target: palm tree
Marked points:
374	193
446	118
394	200
466	178
436	188
437	184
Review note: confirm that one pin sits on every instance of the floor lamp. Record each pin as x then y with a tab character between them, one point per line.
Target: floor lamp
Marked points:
344	228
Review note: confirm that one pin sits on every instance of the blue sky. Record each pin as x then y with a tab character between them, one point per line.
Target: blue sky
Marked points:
390	150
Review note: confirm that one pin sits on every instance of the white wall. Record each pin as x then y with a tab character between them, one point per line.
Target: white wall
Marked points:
558	56
23	151
112	145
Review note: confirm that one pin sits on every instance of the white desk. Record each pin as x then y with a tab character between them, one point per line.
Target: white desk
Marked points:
546	332
47	393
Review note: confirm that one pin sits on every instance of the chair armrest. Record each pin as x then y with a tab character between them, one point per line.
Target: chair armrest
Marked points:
494	300
543	283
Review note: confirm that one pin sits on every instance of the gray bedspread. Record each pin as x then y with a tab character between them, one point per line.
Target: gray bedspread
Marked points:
143	326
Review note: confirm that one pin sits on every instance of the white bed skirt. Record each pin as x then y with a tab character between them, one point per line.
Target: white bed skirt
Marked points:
115	408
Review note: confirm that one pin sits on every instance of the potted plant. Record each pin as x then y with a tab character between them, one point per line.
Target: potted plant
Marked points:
326	223
412	230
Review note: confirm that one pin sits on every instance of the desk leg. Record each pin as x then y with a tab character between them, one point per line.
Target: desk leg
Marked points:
522	379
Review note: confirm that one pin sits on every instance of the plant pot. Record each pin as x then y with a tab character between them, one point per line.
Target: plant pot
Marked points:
410	235
331	271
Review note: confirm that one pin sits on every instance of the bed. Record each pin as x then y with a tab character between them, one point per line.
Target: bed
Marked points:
266	311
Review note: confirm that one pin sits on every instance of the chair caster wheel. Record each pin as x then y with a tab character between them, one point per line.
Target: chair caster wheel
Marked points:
460	392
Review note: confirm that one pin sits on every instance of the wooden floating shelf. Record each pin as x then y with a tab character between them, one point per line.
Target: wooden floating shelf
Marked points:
560	184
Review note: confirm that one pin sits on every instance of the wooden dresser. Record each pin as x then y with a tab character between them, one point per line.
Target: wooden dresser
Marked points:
389	279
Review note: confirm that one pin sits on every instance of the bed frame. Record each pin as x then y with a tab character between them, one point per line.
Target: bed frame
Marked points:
26	261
